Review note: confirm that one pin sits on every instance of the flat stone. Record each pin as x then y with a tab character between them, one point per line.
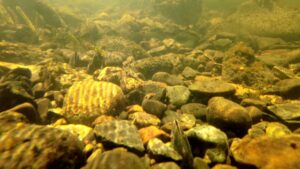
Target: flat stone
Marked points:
197	109
286	111
167	78
119	132
154	107
148	133
212	87
143	119
158	148
267	152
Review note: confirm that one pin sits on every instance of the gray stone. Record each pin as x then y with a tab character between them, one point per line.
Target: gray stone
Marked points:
189	73
167	78
154	107
178	95
197	109
158	148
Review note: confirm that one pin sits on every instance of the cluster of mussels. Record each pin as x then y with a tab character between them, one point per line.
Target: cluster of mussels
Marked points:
152	94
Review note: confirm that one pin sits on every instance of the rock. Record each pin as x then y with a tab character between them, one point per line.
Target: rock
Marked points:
264	43
117	159
185	121
197	109
159	149
271	129
222	43
178	95
149	66
10	120
15	88
154	107
167	78
88	99
40	147
279	57
102	119
211	87
119	132
286	111
240	66
157	90
287	88
189	73
182	145
255	113
267	152
81	131
28	110
254	102
165	165
200	163
283	73
228	115
224	166
214	142
143	119
151	132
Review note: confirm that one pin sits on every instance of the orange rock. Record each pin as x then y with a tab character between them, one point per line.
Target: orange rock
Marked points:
267	152
151	132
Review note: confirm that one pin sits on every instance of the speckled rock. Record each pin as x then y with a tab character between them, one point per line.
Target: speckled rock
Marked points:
151	65
228	115
165	165
185	121
151	132
267	152
178	95
88	99
213	141
143	119
154	107
117	159
119	132
40	147
197	109
167	78
159	149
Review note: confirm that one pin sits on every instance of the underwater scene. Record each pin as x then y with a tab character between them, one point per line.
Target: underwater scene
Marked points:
149	84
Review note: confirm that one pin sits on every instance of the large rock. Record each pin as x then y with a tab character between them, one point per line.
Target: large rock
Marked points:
287	88
267	152
88	99
286	111
228	115
40	147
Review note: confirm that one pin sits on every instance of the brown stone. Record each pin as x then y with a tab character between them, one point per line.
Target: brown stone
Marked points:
268	153
151	132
